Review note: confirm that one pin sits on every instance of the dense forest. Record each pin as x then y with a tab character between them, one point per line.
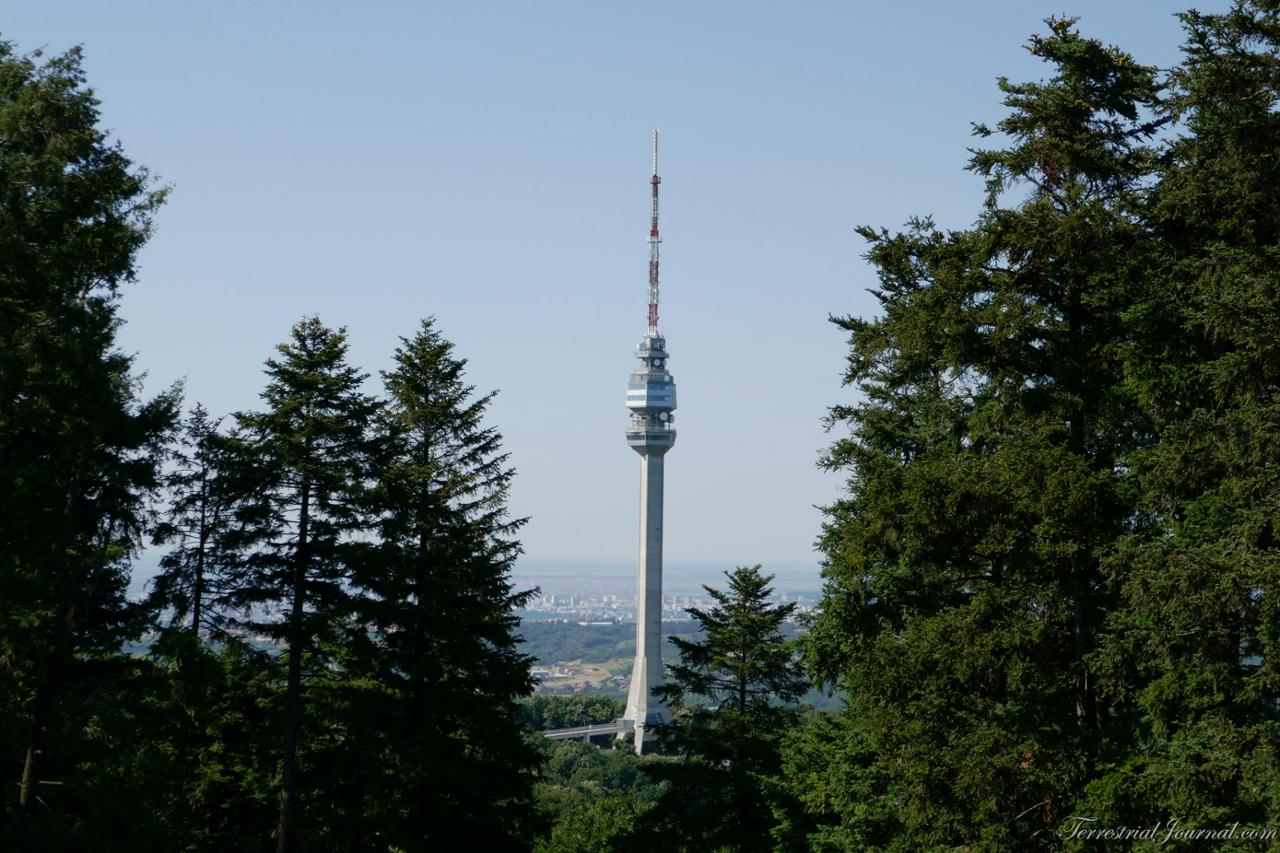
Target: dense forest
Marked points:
1050	579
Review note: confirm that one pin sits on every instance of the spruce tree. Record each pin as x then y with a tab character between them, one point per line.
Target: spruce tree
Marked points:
197	525
440	602
990	474
1193	655
733	693
79	448
304	463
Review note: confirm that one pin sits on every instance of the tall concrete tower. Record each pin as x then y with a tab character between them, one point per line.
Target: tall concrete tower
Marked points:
651	397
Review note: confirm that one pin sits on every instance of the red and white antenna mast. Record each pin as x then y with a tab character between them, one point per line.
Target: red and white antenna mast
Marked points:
654	241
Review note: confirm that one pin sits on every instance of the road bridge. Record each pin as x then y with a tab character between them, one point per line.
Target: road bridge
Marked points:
586	733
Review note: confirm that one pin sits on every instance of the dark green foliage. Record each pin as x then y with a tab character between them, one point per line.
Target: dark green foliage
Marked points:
592	825
591	798
718	794
1192	658
234	800
352	797
176	751
589	769
79	451
991	474
835	801
208	766
438	598
561	712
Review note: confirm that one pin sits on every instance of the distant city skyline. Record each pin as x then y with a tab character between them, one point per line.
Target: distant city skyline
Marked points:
679	576
486	164
609	608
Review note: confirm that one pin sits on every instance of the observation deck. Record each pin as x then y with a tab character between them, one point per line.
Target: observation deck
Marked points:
651	397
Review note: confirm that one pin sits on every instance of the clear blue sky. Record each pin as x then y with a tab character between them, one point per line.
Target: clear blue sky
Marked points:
487	163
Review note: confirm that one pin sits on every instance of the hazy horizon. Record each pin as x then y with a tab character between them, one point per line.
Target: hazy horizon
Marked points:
679	576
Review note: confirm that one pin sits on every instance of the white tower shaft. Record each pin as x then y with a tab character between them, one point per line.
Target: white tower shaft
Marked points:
643	708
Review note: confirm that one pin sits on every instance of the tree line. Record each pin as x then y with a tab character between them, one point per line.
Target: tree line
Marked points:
1049	583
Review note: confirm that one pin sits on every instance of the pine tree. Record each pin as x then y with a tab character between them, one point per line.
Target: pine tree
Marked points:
440	601
304	467
79	449
744	669
198	522
990	467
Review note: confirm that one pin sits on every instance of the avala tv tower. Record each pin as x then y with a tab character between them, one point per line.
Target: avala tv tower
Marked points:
651	397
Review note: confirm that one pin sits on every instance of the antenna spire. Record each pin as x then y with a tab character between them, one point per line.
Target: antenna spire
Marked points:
654	241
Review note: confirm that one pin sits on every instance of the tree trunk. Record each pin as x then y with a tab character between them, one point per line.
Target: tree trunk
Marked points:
35	748
293	695
1083	569
197	590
